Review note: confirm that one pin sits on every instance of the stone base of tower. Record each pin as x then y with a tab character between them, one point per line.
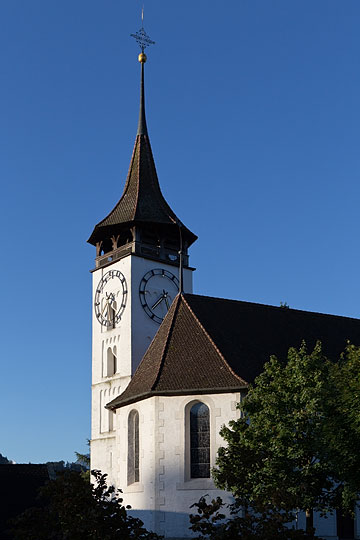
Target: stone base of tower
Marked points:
103	456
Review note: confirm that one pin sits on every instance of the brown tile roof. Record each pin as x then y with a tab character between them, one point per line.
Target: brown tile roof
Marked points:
208	345
142	200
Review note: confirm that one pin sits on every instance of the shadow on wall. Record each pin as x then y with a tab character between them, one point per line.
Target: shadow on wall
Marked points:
173	525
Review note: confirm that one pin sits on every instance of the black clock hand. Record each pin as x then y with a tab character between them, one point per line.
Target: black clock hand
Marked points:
158	302
106	305
166	294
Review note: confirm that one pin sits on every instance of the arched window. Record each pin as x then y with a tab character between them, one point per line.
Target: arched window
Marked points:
199	441
124	238
133	448
111	361
115	359
106	246
111	420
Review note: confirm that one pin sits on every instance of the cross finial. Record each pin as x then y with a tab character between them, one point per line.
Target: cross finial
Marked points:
141	37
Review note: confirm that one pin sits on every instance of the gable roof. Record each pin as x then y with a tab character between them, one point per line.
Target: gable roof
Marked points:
212	345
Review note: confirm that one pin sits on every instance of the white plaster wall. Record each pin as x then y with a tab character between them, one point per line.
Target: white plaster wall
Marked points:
163	497
180	492
103	454
131	337
142	495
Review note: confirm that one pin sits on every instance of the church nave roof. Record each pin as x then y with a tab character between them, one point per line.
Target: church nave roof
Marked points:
212	345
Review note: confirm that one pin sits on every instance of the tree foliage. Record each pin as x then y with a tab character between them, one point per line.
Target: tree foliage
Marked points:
84	461
212	524
73	509
296	443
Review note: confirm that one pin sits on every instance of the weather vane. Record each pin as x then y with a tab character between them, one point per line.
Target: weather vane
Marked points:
142	39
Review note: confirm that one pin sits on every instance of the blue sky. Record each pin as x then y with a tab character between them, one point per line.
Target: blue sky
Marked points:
253	114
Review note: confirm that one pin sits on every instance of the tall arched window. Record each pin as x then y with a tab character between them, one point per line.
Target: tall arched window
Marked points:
111	420
111	362
115	359
133	448
199	441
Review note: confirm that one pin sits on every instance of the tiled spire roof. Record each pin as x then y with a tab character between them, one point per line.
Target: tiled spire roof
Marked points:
212	345
142	200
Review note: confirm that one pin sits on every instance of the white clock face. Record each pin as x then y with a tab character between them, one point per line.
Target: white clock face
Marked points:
158	289
110	298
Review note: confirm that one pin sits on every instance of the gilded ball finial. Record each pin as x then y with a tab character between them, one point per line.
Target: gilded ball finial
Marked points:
142	58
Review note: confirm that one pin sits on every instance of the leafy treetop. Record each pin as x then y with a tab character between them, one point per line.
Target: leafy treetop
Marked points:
296	443
74	509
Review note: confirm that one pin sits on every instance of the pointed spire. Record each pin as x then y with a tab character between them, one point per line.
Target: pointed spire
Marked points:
181	272
143	40
142	205
142	128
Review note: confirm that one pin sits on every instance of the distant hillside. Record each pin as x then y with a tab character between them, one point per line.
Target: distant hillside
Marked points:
4	460
54	466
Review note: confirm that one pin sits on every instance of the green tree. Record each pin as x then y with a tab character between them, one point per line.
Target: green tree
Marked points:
212	524
296	444
74	509
84	461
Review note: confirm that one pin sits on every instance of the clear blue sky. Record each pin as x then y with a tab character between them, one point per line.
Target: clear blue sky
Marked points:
253	114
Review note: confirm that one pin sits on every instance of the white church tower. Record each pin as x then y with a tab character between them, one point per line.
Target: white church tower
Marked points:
141	263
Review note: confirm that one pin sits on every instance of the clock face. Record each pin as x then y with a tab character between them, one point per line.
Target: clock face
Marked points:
158	289
110	298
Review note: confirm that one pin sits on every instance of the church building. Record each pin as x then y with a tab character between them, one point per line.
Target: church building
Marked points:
170	366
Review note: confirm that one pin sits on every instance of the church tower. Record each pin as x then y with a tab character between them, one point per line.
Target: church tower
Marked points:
141	263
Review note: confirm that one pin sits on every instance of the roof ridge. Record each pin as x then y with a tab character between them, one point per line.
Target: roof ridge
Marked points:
270	306
166	344
138	177
212	342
